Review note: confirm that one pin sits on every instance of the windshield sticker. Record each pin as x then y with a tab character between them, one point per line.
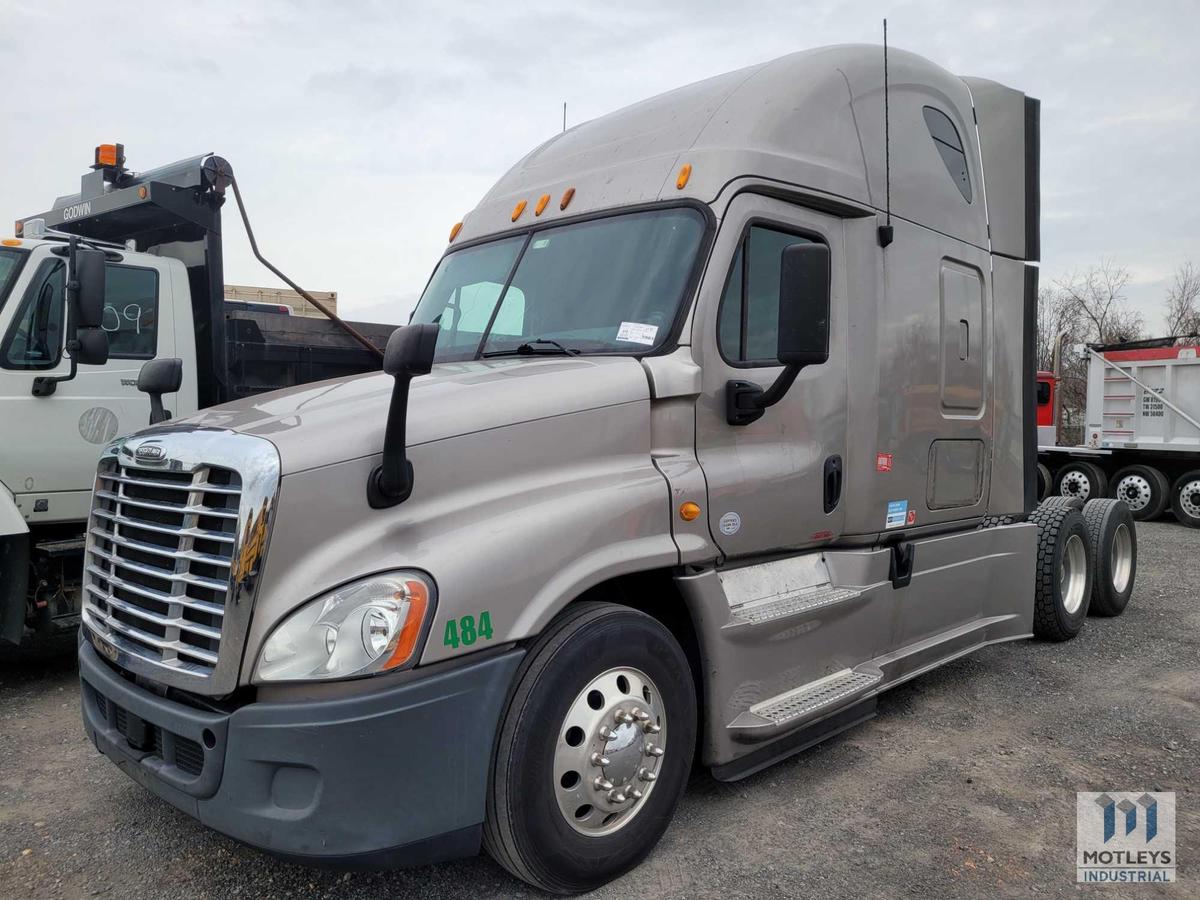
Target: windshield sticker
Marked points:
540	243
637	333
897	514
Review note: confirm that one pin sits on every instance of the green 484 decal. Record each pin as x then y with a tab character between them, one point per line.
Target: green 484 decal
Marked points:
465	630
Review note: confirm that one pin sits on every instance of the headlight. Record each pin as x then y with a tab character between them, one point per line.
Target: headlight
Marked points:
367	626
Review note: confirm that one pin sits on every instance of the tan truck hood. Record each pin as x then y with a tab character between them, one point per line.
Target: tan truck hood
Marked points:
331	421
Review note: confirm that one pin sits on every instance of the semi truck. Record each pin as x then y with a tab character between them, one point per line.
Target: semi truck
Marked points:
157	239
715	421
1141	429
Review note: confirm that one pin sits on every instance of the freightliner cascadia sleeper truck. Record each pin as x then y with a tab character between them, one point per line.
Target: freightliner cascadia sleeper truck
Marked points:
687	454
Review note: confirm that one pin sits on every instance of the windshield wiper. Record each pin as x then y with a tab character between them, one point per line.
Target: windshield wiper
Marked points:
528	349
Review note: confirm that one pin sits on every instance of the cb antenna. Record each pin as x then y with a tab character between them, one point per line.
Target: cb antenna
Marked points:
564	116
886	233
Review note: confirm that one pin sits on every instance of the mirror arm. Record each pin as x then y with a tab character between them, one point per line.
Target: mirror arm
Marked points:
157	413
392	480
745	401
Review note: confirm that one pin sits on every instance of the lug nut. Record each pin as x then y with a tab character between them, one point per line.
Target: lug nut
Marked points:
605	732
601	783
646	775
641	715
617	797
651	728
598	760
635	794
652	750
622	717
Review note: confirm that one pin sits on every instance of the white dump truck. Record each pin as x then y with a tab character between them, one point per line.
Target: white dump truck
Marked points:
689	452
156	238
1141	429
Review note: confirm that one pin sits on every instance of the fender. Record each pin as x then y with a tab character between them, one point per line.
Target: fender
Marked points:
14	567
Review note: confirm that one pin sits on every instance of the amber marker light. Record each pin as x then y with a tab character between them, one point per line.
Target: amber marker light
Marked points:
685	172
517	210
10	242
143	193
455	230
689	511
541	204
18	228
418	603
567	196
107	155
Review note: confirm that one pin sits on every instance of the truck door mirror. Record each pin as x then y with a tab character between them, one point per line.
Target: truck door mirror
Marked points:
410	351
158	377
804	305
803	335
89	287
93	346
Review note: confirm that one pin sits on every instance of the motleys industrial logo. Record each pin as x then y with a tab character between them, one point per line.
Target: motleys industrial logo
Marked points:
1125	837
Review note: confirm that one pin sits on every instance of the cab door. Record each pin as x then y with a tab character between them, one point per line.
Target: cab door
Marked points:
52	442
776	483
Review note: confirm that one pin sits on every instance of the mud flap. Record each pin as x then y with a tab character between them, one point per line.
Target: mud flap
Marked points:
14	583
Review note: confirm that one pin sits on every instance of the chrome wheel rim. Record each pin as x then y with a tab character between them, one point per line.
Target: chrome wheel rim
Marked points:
1189	498
1122	558
609	752
1135	491
1075	484
1072	574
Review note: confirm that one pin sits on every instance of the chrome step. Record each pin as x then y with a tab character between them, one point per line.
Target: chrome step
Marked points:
792	603
809	701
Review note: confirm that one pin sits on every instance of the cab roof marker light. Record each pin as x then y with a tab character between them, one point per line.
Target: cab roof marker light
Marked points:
685	172
517	210
567	196
454	230
18	228
541	204
10	242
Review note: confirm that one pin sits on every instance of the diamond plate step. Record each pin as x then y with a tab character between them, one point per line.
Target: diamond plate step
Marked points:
809	701
756	612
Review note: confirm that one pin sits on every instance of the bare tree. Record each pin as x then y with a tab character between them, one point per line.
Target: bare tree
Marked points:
1098	298
1183	301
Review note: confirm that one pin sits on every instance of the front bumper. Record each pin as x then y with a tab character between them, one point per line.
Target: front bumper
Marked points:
394	777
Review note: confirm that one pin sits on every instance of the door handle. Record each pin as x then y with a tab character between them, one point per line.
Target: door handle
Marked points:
833	482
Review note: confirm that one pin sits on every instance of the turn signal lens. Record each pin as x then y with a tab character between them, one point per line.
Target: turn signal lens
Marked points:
455	230
541	204
689	512
517	210
685	172
568	194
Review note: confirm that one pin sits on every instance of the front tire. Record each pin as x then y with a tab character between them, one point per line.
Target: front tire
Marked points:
594	750
1185	499
1062	588
1114	555
1144	489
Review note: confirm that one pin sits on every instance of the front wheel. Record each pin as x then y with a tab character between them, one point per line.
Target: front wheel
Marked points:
1185	499
594	750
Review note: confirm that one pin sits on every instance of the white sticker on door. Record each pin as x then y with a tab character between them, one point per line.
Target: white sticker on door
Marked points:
897	514
637	333
730	523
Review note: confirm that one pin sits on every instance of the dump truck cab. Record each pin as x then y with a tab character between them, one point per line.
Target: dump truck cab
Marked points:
710	425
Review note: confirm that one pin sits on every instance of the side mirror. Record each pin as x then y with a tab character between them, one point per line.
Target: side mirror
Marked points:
158	377
803	332
93	346
89	287
804	305
409	353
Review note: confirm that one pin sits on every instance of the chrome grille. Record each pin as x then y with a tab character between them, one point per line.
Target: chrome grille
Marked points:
157	574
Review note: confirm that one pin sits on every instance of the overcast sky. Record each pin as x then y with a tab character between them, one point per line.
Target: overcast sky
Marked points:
360	136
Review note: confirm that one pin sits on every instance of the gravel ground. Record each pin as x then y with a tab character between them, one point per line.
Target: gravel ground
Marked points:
963	785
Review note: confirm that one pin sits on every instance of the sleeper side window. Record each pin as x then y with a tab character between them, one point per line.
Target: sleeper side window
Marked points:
748	321
950	147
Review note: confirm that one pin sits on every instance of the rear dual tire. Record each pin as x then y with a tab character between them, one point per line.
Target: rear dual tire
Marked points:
1082	480
1062	588
1113	538
1185	498
1144	489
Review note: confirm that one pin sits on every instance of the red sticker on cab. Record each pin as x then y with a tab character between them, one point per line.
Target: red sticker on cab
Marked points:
912	517
883	462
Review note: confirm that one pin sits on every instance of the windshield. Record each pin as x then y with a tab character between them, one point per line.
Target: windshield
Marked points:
10	265
610	285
